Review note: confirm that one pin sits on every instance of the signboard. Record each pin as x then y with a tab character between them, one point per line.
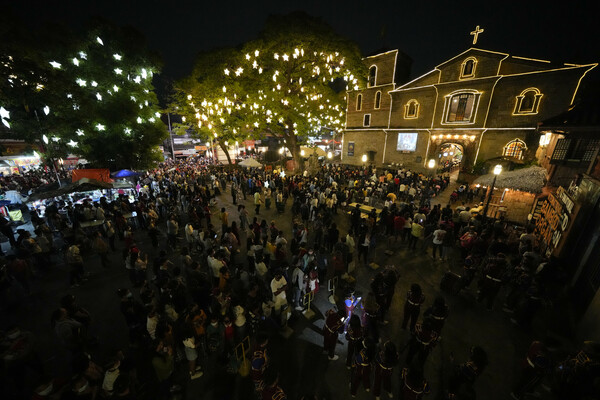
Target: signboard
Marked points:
350	149
555	214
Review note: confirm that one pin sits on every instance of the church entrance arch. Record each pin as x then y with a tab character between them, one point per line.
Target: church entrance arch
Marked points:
450	156
452	151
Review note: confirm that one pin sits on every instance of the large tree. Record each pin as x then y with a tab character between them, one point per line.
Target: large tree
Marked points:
290	83
92	97
210	110
295	75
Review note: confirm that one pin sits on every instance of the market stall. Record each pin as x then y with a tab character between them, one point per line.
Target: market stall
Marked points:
514	193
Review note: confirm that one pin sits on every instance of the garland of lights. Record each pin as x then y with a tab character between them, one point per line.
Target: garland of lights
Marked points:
294	94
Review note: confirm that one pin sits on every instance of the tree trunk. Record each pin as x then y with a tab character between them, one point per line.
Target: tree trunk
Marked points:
226	151
291	142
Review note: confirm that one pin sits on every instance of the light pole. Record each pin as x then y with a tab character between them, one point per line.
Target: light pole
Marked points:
497	171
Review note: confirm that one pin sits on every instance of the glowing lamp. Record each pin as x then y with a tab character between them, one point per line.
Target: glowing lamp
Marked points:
431	163
329	154
45	139
46	110
281	150
498	169
302	153
364	158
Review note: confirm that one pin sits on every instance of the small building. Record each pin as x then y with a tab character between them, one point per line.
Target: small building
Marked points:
570	142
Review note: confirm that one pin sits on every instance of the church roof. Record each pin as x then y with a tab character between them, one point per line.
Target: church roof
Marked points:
584	115
472	50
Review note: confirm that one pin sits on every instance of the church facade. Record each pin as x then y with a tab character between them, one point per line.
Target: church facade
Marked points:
484	104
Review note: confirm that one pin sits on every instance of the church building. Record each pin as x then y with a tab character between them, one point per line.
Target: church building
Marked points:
477	106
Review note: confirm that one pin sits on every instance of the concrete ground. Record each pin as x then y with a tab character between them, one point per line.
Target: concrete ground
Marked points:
304	369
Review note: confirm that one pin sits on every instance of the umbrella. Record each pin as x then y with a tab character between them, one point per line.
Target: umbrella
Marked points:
530	179
250	163
124	173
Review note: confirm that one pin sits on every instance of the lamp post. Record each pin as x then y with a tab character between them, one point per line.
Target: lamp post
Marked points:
497	171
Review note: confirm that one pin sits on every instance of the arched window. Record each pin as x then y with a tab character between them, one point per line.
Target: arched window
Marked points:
358	102
372	76
377	100
515	149
461	107
468	68
411	109
528	102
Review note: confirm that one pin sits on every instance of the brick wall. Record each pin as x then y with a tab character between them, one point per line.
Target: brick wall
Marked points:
426	97
487	65
385	64
379	117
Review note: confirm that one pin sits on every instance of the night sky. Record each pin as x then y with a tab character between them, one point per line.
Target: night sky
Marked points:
428	31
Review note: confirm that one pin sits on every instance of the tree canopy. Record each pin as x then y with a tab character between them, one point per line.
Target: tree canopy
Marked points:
289	83
92	96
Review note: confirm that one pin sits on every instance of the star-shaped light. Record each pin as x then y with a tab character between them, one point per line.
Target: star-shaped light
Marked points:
285	57
79	132
99	41
118	71
99	96
76	62
72	143
139	120
100	127
55	64
137	79
81	82
83	55
117	57
4	113
128	131
46	110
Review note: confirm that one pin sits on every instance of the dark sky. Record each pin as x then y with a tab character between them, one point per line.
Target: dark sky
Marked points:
428	31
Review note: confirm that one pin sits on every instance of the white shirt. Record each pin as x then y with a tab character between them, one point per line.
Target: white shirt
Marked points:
215	264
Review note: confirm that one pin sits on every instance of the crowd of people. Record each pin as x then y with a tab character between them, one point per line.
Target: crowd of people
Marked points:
203	277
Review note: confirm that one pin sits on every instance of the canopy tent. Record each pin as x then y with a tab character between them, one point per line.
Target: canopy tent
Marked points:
124	173
530	179
310	150
250	163
94	174
82	185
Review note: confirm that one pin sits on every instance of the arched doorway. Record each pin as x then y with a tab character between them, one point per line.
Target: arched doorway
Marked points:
450	156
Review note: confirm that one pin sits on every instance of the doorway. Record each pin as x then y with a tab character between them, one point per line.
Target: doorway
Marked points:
450	156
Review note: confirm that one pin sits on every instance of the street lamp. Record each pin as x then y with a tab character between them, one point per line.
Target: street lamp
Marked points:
329	154
431	164
497	171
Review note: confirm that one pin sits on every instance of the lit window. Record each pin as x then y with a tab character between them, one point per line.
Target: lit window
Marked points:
358	102
468	68
377	100
461	107
372	76
411	109
528	102
514	149
367	120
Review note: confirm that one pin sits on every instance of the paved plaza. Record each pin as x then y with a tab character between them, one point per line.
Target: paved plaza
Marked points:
304	368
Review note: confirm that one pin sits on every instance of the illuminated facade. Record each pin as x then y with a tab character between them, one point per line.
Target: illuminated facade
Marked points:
488	103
